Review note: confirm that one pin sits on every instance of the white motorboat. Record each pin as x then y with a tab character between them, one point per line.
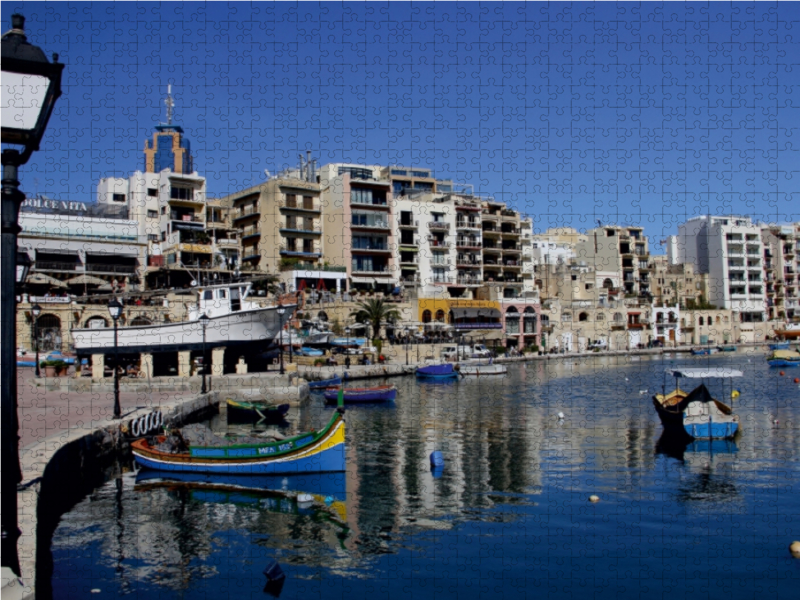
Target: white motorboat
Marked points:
480	368
232	320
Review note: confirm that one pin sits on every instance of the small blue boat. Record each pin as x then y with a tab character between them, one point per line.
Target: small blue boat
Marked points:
784	358
348	342
306	351
440	372
703	351
319	386
779	346
381	393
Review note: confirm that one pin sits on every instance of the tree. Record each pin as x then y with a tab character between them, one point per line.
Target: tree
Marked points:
375	312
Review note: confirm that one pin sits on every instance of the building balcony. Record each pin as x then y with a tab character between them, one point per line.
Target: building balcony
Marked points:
409	225
493	233
413	245
511	233
250	233
244	214
377	226
492	249
492	217
111	269
439	226
469	281
462	224
300	254
304	207
370	250
468	264
249	257
293	232
48	265
474	244
438	245
512	249
373	273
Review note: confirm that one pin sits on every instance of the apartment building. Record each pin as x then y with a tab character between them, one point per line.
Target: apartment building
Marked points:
502	248
730	250
620	257
678	283
782	271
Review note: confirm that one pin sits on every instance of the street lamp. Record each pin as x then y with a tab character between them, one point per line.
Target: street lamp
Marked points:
115	310
36	310
31	86
204	322
281	312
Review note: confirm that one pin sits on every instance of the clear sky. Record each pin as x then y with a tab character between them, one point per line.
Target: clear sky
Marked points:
640	114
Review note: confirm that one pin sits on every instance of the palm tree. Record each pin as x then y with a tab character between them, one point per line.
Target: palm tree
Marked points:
375	312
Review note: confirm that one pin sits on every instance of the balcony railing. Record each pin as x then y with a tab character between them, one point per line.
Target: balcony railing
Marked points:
95	268
439	225
47	265
468	243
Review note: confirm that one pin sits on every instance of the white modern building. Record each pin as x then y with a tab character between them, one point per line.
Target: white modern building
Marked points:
730	250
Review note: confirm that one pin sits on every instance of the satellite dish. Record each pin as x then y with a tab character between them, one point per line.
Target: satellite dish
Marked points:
194	283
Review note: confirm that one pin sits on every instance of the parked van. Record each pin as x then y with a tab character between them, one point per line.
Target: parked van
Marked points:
455	352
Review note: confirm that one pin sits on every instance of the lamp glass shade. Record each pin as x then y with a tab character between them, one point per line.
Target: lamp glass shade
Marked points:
36	310
281	311
23	267
114	309
23	100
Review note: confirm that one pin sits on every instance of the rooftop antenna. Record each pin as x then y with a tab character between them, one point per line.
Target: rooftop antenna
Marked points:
169	104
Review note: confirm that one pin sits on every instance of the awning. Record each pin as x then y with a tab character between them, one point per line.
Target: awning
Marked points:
42	279
363	280
723	373
86	280
473	313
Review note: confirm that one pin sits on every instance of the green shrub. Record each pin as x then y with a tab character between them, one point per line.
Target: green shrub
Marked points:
58	363
319	361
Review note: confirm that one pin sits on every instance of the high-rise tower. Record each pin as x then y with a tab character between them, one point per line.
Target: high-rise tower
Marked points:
169	149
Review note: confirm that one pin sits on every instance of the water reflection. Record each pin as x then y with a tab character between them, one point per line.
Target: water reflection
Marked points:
508	460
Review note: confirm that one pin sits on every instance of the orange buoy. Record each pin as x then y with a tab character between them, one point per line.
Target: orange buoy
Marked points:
796	380
782	373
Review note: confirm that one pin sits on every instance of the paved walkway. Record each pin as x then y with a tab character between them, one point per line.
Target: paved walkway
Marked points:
44	413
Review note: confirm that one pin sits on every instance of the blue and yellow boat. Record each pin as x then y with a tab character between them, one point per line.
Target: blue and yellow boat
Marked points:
318	451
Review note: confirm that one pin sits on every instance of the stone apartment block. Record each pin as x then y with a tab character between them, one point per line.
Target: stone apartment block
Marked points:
620	257
782	271
678	283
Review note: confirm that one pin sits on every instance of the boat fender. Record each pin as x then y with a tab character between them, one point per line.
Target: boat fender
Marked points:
135	428
160	419
273	571
437	460
148	423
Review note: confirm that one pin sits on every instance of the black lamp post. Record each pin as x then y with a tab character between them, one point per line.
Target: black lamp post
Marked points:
115	310
36	310
204	322
281	312
31	85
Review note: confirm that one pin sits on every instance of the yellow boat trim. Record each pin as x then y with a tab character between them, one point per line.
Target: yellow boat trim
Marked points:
336	438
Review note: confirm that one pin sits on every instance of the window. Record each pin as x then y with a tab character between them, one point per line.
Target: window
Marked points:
566	317
181	193
208	295
163	236
601	317
152	214
118	197
152	237
426	316
163	210
700	321
152	192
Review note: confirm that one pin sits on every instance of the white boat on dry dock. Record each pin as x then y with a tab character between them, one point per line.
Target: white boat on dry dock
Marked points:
232	320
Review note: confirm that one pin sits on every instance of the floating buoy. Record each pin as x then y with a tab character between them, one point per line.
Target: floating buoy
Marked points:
794	548
328	500
796	380
560	416
782	373
594	498
437	460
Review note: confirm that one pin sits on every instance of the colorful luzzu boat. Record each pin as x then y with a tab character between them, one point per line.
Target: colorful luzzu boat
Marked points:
311	452
696	413
784	358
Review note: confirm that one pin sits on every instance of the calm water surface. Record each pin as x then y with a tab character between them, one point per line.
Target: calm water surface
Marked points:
509	514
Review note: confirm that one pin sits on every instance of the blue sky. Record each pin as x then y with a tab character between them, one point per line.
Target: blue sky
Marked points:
570	112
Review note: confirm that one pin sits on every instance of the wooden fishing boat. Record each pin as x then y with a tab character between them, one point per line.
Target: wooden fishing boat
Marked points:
697	414
784	358
441	372
248	412
381	393
311	452
322	384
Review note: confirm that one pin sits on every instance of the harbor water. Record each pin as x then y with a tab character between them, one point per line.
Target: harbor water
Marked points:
508	515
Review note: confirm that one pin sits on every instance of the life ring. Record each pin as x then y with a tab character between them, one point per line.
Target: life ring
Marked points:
135	428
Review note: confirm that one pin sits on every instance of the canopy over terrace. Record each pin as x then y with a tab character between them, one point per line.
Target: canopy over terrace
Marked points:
476	318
